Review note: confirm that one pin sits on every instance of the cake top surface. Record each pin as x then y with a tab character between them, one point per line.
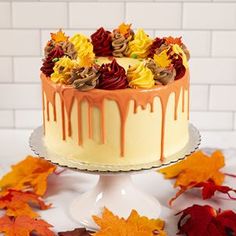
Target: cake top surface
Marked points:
114	60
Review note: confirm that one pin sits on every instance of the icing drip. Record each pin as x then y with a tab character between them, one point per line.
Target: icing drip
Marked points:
96	97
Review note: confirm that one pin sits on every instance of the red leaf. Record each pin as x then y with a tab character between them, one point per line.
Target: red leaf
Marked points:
206	221
209	188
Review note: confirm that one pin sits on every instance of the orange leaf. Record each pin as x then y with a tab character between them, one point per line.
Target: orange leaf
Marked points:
59	36
23	226
196	169
135	225
124	29
29	174
16	203
171	40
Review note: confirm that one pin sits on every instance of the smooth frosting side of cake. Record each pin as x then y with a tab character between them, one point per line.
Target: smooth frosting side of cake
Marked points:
117	127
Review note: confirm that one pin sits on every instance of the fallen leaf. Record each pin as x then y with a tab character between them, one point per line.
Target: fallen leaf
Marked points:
76	232
135	225
196	169
171	40
29	174
24	226
204	220
17	203
59	36
209	188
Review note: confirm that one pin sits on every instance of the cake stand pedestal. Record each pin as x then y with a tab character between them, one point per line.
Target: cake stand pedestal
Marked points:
115	189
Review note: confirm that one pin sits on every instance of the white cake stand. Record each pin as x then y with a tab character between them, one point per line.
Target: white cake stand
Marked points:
114	189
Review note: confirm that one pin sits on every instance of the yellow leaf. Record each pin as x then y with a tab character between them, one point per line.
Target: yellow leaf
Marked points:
59	36
29	174
196	169
135	225
162	59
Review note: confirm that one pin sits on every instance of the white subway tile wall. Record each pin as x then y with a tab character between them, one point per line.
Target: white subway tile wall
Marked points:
208	28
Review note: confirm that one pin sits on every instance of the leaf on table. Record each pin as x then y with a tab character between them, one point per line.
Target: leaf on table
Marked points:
134	225
17	203
76	232
24	226
209	188
197	169
29	174
204	220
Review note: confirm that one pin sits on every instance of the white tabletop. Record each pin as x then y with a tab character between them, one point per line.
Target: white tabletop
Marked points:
65	187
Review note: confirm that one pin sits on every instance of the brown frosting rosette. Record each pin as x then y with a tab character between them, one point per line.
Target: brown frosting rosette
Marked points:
84	78
161	75
113	76
66	46
102	44
119	44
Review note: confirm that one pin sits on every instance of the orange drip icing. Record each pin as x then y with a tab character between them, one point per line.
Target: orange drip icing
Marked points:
96	97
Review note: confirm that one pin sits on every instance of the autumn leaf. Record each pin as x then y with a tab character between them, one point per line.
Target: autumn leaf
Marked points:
209	188
124	29
24	226
76	232
29	174
171	40
204	220
59	36
162	59
16	203
196	169
135	225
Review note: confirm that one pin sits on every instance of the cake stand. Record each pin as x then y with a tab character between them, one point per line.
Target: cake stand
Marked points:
114	189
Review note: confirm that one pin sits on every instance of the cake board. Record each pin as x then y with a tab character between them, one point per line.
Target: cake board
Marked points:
115	189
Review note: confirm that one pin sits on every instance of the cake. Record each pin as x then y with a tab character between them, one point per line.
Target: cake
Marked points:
115	98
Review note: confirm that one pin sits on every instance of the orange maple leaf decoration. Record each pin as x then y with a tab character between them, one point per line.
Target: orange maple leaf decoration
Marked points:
134	225
171	40
29	174
59	36
198	168
16	203
124	29
24	226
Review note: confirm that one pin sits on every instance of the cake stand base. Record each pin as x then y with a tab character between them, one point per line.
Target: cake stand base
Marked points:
118	194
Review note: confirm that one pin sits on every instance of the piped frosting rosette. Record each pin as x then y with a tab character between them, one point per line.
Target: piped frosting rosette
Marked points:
72	61
84	49
139	46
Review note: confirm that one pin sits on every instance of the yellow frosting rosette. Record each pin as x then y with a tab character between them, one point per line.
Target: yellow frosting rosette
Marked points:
62	70
84	49
179	51
139	46
139	76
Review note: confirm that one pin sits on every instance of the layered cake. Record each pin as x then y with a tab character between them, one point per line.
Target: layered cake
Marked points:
115	98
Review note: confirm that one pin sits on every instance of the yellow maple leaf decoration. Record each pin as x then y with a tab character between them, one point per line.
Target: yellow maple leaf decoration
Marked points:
124	29
59	36
29	174
162	59
134	225
197	168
